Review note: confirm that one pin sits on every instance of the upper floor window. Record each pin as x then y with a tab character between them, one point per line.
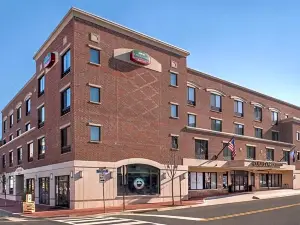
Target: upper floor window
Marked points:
174	142
27	127
95	94
191	120
258	132
239	129
298	136
238	108
11	158
41	116
19	114
191	96
66	63
4	126
201	149
216	125
257	113
286	156
173	79
19	132
250	152
11	137
174	110
30	152
95	133
3	141
41	148
216	102
11	120
270	154
28	106
227	153
41	86
94	56
274	117
275	135
19	155
65	139
65	101
3	161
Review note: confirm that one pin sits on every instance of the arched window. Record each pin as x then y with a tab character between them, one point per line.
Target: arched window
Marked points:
139	179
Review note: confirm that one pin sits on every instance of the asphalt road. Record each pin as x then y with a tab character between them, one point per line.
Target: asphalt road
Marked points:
279	211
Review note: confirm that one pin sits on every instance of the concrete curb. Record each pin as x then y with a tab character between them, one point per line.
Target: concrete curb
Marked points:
274	196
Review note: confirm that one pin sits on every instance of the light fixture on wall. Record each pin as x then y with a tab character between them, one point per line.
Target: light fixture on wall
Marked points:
164	176
71	174
51	176
81	174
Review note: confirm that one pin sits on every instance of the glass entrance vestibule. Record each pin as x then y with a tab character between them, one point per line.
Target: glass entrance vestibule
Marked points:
239	180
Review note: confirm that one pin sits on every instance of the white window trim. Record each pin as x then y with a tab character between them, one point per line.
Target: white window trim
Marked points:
65	87
173	103
94	85
30	142
174	135
64	126
214	118
4	118
11	112
258	127
274	110
28	96
65	49
18	105
268	147
40	137
250	145
238	99
286	150
200	138
41	105
19	147
190	84
214	91
192	113
239	123
40	75
275	131
172	71
257	104
94	47
95	124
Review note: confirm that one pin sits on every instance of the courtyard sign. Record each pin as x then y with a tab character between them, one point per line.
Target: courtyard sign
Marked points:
140	57
265	164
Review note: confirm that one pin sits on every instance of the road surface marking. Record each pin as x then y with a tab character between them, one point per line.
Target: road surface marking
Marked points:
168	216
251	212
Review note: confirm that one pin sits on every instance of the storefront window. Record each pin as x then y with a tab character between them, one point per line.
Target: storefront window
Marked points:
270	180
139	180
199	181
225	180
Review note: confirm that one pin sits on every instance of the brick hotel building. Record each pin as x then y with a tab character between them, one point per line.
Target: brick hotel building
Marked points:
105	96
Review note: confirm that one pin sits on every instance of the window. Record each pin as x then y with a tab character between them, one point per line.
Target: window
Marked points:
238	108
66	63
41	85
11	137
3	161
3	141
174	142
227	153
65	101
41	116
19	114
11	120
28	106
250	152
65	139
286	157
191	96
199	180
95	94
258	132
4	126
27	127
41	148
239	129
191	120
270	180
216	125
174	111
19	155
201	149
11	184
19	132
94	56
270	154
30	152
274	118
95	133
257	113
216	102
11	158
298	136
275	135
298	156
173	79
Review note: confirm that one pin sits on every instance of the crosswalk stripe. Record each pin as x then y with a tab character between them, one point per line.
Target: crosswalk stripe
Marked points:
78	220
130	223
104	222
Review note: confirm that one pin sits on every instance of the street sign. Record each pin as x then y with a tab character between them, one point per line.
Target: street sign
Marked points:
101	178
102	171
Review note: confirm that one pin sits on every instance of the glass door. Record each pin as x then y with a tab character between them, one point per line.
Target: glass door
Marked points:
62	191
239	180
30	188
44	184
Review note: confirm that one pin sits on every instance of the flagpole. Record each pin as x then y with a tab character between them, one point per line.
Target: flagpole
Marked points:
223	148
289	153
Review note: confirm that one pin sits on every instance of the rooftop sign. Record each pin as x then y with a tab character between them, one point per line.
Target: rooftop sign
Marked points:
49	60
140	57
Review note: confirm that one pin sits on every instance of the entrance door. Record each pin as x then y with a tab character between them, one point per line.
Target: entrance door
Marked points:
30	187
62	191
239	180
44	184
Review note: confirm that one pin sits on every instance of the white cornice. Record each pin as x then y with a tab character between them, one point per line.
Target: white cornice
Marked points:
214	91
238	98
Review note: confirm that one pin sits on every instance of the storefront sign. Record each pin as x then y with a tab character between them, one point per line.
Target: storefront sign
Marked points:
139	183
28	198
140	57
28	207
49	60
266	164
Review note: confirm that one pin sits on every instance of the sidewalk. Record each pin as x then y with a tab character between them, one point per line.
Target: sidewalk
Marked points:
249	196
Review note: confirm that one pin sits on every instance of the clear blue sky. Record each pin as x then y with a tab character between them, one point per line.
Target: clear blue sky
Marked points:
252	43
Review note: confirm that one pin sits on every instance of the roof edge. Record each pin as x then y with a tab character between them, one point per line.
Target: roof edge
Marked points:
75	12
244	88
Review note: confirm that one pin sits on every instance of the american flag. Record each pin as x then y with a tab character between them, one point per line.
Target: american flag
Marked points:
231	146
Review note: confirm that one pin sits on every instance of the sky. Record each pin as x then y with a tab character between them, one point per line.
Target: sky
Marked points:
253	43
